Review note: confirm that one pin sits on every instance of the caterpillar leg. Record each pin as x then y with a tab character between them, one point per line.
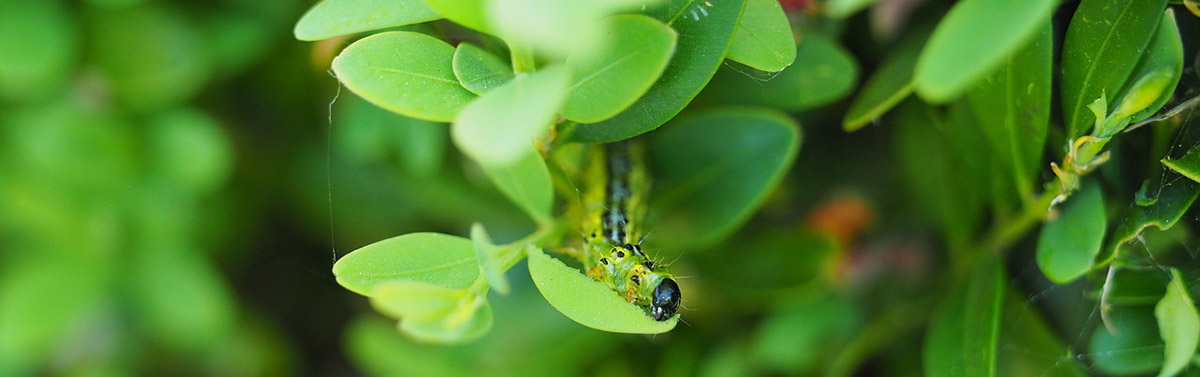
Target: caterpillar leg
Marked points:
630	295
595	273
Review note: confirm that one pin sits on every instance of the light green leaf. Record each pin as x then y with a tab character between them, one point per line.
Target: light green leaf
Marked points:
41	43
364	132
1156	75
764	38
1188	165
1105	40
404	72
1178	326
488	254
526	183
499	128
433	258
846	8
1012	106
590	302
824	72
605	82
958	55
699	52
190	150
1068	244
715	168
164	275
469	13
557	27
1134	349
152	56
478	70
889	84
463	324
402	298
331	18
963	336
41	300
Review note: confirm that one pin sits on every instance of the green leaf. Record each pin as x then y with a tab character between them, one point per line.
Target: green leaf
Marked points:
404	72
1178	326
1012	106
499	128
607	81
763	39
463	324
824	72
41	43
840	9
526	183
796	336
1104	42
888	85
41	300
478	70
433	258
363	133
161	277
1129	286
152	56
699	52
963	336
1165	205
590	302
488	255
1188	165
715	168
1135	347
558	27
331	18
190	150
401	298
1156	75
958	55
469	13
1029	346
1068	244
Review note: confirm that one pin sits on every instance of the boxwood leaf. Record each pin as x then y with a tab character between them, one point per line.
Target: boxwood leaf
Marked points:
331	18
1104	42
605	82
488	254
401	298
1188	165
463	324
1068	244
958	55
405	72
1012	107
963	336
433	258
499	128
846	8
526	182
763	39
1178	326
590	302
701	49
1134	349
824	72
888	85
557	27
715	168
1153	80
469	13
478	70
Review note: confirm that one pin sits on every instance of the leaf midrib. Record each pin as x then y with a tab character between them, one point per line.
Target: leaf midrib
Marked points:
1075	111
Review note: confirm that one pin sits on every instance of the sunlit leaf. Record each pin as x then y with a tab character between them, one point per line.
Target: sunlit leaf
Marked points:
469	13
1104	42
526	182
590	302
478	70
331	18
1069	243
763	39
499	128
958	55
1178	326
433	258
487	253
607	81
556	27
1188	165
403	298
475	322
1153	80
405	72
715	168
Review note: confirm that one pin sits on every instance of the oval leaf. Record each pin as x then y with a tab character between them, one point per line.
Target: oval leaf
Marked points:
331	18
714	169
1178	326
889	84
1164	57
607	81
1068	245
958	55
963	335
764	37
407	73
590	302
488	255
433	258
499	128
478	70
701	49
824	72
527	183
464	324
1134	349
401	298
1103	44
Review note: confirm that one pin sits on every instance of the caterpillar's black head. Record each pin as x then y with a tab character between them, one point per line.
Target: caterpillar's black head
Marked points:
665	301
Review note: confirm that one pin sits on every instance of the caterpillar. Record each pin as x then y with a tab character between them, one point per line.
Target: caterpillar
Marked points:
614	205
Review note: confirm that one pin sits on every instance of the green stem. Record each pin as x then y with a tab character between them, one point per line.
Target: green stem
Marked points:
522	58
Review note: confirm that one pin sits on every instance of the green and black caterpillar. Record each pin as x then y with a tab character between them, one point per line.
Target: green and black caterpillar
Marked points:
614	205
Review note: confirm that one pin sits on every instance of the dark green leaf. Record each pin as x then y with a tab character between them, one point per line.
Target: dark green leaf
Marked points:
1069	243
1135	347
795	336
590	302
965	330
1129	286
824	72
438	259
499	128
331	18
40	45
1166	203
1188	165
405	72
1012	106
889	84
478	70
1104	42
1153	80
699	52
763	39
152	56
958	54
1029	346
714	169
607	81
164	277
1178	326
